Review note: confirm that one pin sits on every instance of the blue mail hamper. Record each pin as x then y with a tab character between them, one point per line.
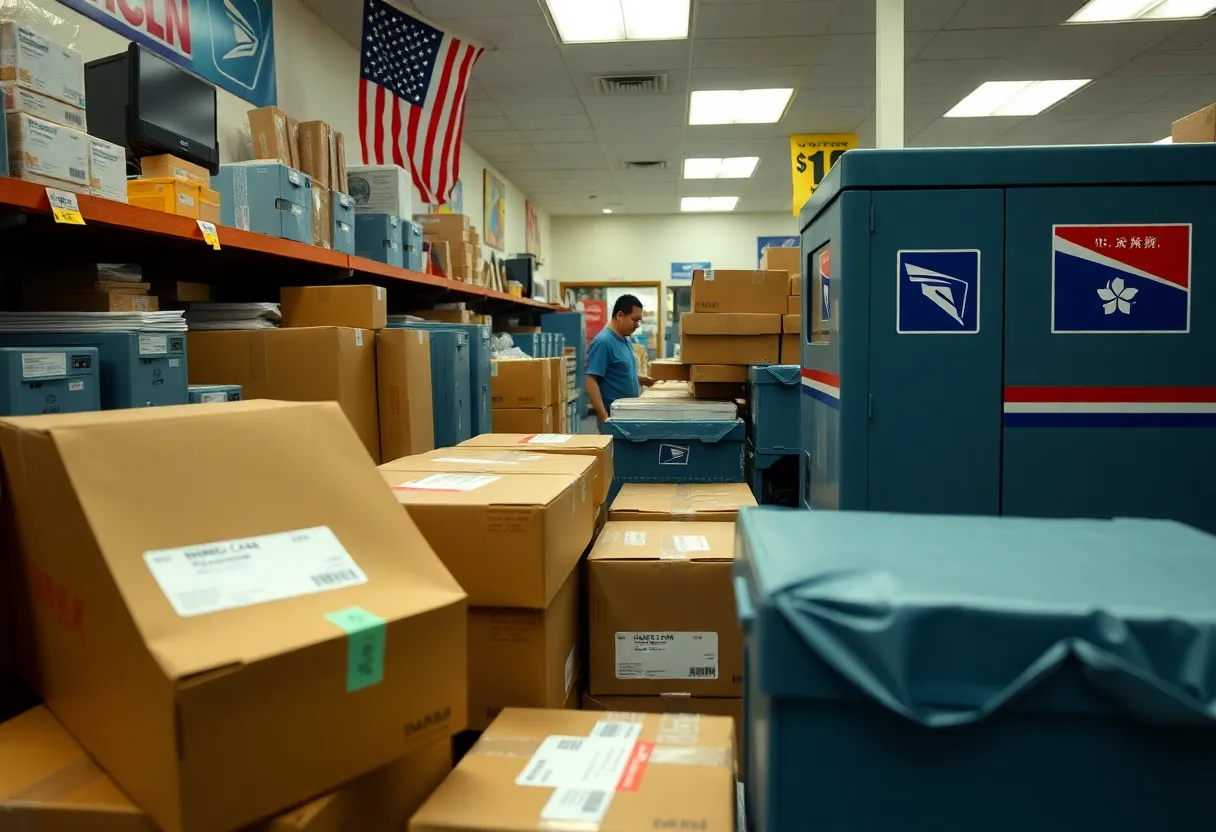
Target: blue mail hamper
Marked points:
677	451
776	410
924	673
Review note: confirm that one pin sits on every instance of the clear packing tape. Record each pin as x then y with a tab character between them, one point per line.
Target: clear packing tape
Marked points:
42	20
671	546
687	503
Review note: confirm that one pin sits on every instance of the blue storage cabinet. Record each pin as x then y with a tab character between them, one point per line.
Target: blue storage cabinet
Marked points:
774	406
37	380
927	673
479	409
1012	331
450	386
677	451
573	327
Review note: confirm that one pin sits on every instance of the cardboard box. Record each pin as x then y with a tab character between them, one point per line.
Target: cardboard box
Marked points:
447	316
524	658
166	166
523	420
461	460
718	390
38	63
18	99
307	364
403	384
668	369
791	324
271	136
520	383
38	149
503	782
728	323
723	373
382	189
661	610
322	217
746	292
782	260
796	284
170	196
293	142
181	291
360	307
719	502
315	140
451	227
186	683
48	782
107	170
730	349
340	163
793	305
90	302
791	348
510	540
557	379
594	445
674	705
209	205
1199	126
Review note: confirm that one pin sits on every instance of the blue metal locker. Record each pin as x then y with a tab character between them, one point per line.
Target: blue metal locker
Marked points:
479	336
450	386
1012	330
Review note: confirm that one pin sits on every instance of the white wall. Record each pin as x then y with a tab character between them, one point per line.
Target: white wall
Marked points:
644	247
318	76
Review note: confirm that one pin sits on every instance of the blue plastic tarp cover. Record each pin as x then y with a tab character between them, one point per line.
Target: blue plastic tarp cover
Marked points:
703	431
944	620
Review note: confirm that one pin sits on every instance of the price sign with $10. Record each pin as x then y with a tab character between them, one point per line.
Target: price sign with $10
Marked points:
811	157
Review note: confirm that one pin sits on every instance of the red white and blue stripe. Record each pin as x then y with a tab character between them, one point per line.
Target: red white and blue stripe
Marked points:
1110	407
822	387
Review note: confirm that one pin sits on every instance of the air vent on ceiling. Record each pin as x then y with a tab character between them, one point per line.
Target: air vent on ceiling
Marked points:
631	84
655	165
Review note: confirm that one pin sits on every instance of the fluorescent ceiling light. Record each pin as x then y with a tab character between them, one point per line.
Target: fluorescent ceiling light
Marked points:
709	203
1166	140
601	21
607	210
1013	98
1110	11
738	106
738	167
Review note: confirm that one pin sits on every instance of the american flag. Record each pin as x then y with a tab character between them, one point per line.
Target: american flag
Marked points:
412	87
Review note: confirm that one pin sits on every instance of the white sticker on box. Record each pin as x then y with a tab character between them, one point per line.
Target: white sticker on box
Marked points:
688	543
212	398
227	574
569	668
379	293
186	199
577	806
691	655
577	762
548	439
44	364
635	538
616	730
153	344
75	386
175	362
709	274
358	337
449	482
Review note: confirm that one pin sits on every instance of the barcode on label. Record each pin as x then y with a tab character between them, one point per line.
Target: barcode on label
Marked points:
75	118
77	173
569	744
611	729
344	576
593	803
702	672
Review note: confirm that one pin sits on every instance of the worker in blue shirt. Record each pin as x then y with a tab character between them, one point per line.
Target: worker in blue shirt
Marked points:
612	369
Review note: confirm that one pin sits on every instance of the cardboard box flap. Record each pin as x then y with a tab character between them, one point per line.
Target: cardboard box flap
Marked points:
661	540
431	487
224	481
494	460
683	499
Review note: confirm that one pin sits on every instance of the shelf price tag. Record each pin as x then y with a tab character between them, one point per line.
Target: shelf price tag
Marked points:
64	207
210	234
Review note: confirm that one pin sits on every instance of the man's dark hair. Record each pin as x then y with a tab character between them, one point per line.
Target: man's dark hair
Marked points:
625	305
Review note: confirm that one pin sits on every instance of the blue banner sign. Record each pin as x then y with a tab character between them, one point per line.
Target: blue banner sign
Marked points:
228	42
774	242
683	271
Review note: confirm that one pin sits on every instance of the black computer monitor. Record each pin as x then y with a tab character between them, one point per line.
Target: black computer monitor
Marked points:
150	105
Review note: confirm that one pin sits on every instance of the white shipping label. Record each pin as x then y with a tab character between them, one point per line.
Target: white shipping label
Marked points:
44	364
175	362
635	538
449	482
153	344
358	337
687	543
666	655
548	439
228	574
614	730
75	386
577	763
212	398
578	806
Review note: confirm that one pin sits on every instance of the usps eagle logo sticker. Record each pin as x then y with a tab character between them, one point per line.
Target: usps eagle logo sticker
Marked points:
937	292
1129	279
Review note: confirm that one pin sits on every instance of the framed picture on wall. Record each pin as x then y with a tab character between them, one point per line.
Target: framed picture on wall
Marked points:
532	231
496	212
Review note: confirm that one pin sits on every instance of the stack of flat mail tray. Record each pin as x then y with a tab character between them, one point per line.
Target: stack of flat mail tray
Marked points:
660	409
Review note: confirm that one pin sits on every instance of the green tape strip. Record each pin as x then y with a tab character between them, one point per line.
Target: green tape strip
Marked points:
365	635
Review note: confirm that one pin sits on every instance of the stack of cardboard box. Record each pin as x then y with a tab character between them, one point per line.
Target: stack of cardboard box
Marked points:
83	288
454	243
522	396
561	393
175	186
268	635
788	260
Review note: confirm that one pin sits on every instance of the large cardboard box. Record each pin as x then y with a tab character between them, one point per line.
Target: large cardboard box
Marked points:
730	349
557	379
746	292
510	540
48	782
550	769
718	501
360	307
782	260
107	170
451	227
796	284
524	658
308	364
47	153
729	324
793	305
718	374
262	624
322	216
38	63
675	705
316	139
1199	126
271	136
524	382
167	166
499	461
561	443
403	386
668	369
791	339
661	610
523	420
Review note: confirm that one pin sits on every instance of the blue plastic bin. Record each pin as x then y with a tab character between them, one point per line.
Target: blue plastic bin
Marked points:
677	451
927	673
479	407
450	386
775	409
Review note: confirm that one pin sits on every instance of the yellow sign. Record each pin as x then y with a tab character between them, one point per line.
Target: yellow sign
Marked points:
64	207
210	234
811	157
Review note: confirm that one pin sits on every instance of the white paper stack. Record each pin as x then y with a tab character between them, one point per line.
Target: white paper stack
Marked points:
674	410
207	316
167	321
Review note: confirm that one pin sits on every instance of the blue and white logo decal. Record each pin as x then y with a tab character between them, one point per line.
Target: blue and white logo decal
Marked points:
938	292
673	454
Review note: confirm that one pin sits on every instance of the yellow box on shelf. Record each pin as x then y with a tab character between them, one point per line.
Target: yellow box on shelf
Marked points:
167	194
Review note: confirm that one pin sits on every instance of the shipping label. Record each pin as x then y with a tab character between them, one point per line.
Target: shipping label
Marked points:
670	655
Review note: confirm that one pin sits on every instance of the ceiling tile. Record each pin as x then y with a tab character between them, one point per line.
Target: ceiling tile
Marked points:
858	16
625	58
764	20
514	32
753	52
441	10
748	78
584	135
512	104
